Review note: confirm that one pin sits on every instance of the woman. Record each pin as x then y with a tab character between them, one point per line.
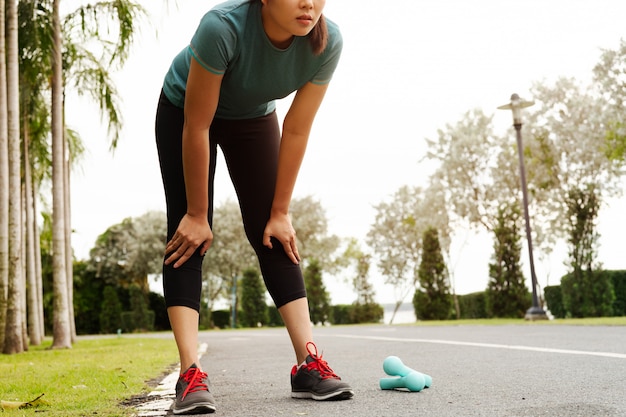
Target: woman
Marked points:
220	90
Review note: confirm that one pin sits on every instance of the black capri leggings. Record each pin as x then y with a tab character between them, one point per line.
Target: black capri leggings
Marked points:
250	148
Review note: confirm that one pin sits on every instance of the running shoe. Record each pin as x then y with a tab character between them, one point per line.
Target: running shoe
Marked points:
315	380
192	393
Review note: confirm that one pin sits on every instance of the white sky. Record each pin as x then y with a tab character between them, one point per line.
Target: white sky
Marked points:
408	68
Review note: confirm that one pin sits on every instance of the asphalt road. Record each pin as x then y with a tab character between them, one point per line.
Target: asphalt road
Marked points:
513	370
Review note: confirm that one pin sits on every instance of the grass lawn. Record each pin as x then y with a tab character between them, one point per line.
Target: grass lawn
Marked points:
92	378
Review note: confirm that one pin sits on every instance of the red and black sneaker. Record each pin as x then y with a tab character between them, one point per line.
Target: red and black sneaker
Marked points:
192	393
315	380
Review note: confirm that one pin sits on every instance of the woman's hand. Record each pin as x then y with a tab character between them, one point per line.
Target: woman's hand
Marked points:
279	226
192	232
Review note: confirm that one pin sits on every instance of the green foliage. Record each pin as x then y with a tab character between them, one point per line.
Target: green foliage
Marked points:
156	303
356	313
366	313
583	205
319	299
139	318
618	279
554	300
589	298
473	306
275	320
253	306
221	318
506	294
111	311
87	295
588	294
432	301
126	253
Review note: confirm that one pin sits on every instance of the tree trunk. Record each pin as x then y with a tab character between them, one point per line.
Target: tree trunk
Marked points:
38	271
69	264
32	308
4	182
13	342
61	333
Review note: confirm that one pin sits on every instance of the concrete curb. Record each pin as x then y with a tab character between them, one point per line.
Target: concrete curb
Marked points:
161	398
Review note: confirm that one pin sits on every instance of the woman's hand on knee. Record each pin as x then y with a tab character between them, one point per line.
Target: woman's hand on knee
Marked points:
280	228
192	233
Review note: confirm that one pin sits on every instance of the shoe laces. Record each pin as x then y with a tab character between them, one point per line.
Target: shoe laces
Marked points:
195	381
319	364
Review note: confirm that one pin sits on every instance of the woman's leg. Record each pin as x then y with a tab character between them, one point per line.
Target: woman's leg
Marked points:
181	286
250	149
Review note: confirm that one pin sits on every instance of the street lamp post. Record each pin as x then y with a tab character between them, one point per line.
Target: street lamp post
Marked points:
516	105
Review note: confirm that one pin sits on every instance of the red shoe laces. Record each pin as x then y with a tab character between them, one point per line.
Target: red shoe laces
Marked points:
194	378
318	363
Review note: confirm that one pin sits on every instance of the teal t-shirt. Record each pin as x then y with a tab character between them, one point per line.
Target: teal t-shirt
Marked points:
230	40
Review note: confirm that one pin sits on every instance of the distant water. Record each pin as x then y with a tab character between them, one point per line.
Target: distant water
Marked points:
405	313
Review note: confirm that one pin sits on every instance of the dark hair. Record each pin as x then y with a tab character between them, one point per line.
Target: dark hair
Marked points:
318	37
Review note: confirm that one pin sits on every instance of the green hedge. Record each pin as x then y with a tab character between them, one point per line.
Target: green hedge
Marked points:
473	306
554	301
601	294
588	294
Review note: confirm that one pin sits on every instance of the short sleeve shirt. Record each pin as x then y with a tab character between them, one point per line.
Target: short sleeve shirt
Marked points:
230	40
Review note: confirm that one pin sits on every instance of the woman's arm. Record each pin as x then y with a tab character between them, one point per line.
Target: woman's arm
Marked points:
201	99
296	130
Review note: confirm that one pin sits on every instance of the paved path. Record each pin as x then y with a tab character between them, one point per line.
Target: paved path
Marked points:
515	370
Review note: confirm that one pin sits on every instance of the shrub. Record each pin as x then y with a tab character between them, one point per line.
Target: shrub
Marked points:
554	300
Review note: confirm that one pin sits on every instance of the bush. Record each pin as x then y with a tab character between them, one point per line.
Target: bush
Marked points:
275	320
554	300
221	318
340	314
366	313
473	306
156	304
588	294
111	311
618	279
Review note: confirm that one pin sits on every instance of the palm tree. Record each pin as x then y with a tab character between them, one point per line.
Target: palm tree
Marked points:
4	182
13	339
61	328
84	70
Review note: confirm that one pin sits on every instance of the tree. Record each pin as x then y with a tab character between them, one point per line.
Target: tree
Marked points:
568	127
432	301
586	293
395	236
128	252
254	308
319	300
364	309
14	340
4	180
507	295
61	331
310	222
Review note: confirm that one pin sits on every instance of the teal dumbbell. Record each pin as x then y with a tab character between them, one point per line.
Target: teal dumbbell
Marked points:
393	366
414	382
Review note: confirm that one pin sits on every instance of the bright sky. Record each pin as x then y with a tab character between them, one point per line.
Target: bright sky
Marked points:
408	68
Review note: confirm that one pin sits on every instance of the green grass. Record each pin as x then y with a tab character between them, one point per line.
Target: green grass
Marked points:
92	378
